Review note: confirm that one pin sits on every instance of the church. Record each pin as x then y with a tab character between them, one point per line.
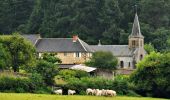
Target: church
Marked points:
74	51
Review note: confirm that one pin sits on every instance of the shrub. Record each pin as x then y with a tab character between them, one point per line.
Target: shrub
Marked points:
47	70
66	74
15	84
32	84
120	85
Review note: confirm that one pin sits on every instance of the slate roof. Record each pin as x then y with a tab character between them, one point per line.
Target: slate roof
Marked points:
62	45
117	50
136	32
33	38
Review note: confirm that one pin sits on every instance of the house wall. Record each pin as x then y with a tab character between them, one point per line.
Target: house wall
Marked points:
71	58
126	62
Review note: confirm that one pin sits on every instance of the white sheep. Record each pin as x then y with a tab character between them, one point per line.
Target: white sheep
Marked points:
71	92
110	93
104	92
98	92
89	91
59	92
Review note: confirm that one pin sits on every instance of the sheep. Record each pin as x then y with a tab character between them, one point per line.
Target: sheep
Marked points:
98	92
89	91
59	92
71	92
103	92
110	93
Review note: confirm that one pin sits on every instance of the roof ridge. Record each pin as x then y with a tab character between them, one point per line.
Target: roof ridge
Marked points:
82	44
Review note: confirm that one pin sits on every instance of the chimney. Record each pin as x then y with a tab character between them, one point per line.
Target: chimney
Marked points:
75	38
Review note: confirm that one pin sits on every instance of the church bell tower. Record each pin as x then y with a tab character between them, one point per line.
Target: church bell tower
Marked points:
136	39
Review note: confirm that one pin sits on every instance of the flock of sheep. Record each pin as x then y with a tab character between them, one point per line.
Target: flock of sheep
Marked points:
90	91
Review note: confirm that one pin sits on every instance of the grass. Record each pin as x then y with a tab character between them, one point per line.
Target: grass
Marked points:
20	96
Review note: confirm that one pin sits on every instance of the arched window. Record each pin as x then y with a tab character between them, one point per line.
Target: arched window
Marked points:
141	57
129	64
121	64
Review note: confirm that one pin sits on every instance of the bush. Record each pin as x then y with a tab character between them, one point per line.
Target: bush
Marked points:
66	74
15	84
32	84
120	85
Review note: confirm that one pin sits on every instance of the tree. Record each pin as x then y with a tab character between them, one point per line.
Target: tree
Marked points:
21	51
161	39
153	75
14	15
103	60
51	58
47	70
149	48
5	58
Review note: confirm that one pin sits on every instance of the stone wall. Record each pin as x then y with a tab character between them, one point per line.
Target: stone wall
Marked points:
72	58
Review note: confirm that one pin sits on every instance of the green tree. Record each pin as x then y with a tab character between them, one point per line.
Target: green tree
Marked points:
21	51
51	58
161	39
149	48
153	75
47	70
103	60
14	15
5	58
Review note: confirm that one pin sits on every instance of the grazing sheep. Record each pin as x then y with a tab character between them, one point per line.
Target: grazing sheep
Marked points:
110	93
89	91
71	92
98	92
59	92
104	92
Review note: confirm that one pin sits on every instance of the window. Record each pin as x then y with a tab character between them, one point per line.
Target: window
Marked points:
141	57
77	54
129	64
65	54
133	43
121	64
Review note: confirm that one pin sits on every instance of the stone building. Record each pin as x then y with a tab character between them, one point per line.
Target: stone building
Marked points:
76	51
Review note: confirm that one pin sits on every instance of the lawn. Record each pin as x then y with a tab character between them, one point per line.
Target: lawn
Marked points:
14	96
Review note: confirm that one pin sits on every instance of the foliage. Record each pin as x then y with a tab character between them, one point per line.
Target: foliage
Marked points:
120	85
149	48
47	70
66	74
22	52
103	60
14	15
51	58
5	58
152	75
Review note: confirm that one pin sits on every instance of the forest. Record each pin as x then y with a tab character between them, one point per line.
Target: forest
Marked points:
107	20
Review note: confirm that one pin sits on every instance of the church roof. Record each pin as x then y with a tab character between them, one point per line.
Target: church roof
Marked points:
62	45
136	32
116	50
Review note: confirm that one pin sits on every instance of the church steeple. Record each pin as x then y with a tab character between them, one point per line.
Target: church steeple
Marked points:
136	39
136	32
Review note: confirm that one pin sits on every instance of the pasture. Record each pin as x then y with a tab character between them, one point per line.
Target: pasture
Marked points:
20	96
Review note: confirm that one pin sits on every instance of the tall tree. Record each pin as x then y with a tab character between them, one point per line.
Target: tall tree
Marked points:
21	51
14	15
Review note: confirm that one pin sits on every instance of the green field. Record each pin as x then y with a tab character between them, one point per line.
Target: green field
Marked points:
14	96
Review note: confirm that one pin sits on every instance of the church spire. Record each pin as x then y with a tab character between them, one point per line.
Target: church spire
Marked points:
136	28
